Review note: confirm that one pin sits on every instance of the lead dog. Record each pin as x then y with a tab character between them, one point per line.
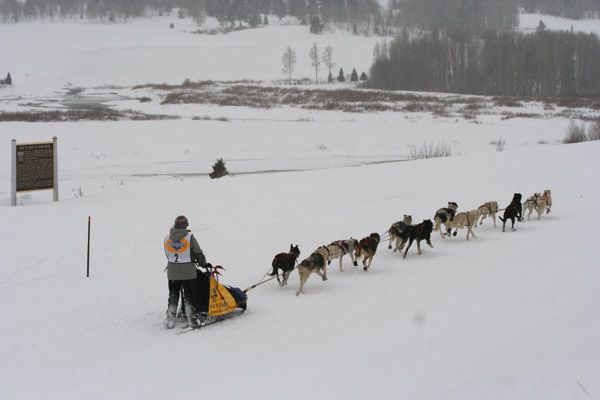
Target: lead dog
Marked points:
489	208
395	232
367	248
445	216
286	262
340	248
317	263
514	210
418	232
539	203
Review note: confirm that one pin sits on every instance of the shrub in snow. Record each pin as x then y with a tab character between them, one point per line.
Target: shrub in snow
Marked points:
594	130
500	143
363	77
219	169
429	151
575	133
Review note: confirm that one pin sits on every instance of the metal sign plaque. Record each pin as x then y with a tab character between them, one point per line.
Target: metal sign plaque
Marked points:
35	166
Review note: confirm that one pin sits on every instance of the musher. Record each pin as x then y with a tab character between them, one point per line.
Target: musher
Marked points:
183	251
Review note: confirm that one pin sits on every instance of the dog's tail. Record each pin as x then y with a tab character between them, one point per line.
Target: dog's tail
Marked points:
501	219
437	220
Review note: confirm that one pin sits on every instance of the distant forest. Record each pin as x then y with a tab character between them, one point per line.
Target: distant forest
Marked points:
453	17
542	64
362	16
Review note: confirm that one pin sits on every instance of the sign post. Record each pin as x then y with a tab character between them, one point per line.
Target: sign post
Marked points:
88	246
13	175
34	167
55	168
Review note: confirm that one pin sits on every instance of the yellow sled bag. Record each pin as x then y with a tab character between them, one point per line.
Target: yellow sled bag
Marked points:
220	300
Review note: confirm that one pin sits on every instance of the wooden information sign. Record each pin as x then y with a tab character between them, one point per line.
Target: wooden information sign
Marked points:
34	168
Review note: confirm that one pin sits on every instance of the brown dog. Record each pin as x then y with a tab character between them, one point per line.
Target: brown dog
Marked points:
286	262
367	248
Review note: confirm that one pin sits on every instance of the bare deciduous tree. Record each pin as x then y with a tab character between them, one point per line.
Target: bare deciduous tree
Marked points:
289	61
328	58
315	61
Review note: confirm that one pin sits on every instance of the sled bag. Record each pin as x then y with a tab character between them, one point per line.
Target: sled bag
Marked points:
221	301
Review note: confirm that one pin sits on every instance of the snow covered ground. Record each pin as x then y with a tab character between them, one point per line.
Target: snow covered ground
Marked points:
503	316
148	51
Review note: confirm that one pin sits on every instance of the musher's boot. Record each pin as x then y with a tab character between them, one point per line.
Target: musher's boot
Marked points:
171	312
191	316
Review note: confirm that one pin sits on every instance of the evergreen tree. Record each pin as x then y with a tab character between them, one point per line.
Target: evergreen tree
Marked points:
316	26
363	76
341	77
219	169
354	76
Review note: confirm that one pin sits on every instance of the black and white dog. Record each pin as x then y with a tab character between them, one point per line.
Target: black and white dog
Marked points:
395	232
514	210
317	263
444	216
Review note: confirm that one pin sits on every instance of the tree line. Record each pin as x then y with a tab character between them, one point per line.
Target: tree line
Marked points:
455	18
544	63
362	16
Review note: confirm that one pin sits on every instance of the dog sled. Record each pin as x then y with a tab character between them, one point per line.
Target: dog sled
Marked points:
215	301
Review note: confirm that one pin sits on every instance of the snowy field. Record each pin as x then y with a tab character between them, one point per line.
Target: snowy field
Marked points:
509	315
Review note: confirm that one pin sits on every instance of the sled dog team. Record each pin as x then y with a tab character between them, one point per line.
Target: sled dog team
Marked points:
403	232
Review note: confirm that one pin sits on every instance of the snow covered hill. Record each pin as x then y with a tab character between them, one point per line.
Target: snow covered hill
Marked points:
147	51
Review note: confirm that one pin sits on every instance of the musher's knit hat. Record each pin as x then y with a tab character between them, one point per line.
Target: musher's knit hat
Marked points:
181	222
